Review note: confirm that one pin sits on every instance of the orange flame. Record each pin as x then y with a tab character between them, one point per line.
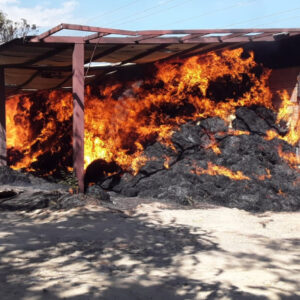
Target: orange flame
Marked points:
238	132
291	158
19	131
167	161
266	176
125	118
287	113
214	170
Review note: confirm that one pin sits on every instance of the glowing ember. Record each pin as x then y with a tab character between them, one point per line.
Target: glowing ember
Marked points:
266	176
291	158
280	192
213	145
213	170
167	161
238	132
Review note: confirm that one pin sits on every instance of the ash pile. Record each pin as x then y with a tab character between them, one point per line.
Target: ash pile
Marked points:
234	167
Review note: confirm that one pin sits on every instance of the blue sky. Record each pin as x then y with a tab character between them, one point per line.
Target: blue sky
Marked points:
157	14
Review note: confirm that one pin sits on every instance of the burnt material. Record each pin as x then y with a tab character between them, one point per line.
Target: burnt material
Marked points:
252	121
23	191
259	178
100	172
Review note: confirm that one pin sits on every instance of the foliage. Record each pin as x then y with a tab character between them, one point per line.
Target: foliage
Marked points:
69	179
10	29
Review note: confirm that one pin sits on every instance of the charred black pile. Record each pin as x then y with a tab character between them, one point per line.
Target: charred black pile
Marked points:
247	172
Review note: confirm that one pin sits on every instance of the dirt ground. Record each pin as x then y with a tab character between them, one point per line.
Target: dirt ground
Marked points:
149	250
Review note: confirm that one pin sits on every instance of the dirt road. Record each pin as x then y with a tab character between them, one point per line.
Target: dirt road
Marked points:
149	251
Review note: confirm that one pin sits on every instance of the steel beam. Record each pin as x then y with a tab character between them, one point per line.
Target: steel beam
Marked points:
98	29
47	33
80	28
218	38
215	31
3	156
145	37
78	113
59	39
158	39
129	37
93	36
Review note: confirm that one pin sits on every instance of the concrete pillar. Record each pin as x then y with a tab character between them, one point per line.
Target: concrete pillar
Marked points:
78	113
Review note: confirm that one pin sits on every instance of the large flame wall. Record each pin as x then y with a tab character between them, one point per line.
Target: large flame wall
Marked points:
125	117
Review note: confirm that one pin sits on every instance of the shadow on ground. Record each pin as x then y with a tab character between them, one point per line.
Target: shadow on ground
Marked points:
84	254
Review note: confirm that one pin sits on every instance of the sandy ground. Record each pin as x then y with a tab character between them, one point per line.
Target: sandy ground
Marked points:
149	250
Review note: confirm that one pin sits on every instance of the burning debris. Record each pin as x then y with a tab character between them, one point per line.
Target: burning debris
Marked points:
203	128
249	172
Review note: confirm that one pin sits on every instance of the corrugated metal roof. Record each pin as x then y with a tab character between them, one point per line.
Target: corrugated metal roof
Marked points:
45	61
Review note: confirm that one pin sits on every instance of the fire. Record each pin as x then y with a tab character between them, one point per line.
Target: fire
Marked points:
271	134
214	170
291	158
266	176
214	145
167	161
122	119
238	132
288	113
280	192
215	148
24	136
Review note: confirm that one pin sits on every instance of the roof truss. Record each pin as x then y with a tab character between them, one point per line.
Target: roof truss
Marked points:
119	47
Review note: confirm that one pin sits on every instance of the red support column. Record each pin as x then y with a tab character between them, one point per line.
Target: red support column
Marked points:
78	114
3	157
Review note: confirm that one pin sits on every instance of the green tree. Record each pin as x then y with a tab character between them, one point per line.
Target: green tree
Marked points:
10	29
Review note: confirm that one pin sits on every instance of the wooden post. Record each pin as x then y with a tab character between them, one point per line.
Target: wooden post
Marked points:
3	157
78	113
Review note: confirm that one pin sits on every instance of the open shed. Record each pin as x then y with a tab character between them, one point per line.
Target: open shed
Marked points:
50	61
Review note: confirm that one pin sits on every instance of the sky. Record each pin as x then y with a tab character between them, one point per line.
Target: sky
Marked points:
156	14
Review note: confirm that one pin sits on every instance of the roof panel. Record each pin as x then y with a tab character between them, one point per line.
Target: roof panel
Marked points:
45	61
163	53
42	83
124	53
16	77
63	57
18	54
